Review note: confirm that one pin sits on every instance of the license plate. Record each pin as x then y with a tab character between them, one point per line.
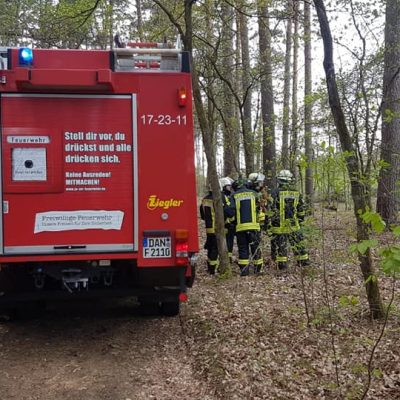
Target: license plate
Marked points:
156	247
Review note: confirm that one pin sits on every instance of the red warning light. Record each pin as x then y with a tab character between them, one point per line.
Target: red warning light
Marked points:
183	297
182	97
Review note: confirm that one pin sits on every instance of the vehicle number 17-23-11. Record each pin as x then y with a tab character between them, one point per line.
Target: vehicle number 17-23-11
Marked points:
163	119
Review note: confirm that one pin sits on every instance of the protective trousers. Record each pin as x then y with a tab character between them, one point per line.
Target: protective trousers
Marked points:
230	236
279	248
249	250
212	253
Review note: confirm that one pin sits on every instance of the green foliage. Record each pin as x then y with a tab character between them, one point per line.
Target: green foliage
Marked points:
390	255
375	220
330	176
324	316
362	246
348	301
62	23
396	230
390	262
390	115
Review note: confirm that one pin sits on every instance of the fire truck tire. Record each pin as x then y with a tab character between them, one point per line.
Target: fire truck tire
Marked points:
170	308
190	279
149	309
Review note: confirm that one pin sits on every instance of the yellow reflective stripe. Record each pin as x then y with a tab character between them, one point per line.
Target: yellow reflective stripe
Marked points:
213	262
283	222
243	196
243	261
281	259
248	226
258	262
284	229
253	208
209	203
302	257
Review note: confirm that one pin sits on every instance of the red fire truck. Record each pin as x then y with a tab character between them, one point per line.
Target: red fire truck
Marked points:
97	175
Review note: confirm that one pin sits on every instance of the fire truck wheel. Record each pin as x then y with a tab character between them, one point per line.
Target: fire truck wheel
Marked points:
190	279
149	309
170	308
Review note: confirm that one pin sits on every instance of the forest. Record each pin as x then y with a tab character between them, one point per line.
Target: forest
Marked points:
310	86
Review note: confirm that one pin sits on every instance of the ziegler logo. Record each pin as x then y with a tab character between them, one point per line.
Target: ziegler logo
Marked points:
154	202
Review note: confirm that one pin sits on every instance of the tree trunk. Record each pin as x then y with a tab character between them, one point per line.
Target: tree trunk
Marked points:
227	56
309	188
208	144
248	140
139	20
361	196
294	133
267	95
388	189
286	87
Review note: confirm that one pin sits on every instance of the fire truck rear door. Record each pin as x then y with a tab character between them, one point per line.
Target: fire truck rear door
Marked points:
68	173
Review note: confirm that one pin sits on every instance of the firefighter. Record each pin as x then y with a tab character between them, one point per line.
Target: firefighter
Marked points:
207	214
226	186
245	208
285	215
256	182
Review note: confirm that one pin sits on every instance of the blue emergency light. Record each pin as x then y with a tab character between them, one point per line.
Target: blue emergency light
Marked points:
25	56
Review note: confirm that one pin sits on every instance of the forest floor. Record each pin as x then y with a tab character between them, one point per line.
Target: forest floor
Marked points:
271	336
302	335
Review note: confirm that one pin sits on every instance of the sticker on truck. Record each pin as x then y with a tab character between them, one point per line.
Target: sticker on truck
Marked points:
157	247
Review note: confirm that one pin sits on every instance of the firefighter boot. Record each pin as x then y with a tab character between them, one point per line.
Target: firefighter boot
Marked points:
282	266
257	269
244	270
303	263
211	269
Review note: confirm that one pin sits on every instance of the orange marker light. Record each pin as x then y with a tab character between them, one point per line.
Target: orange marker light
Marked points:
182	97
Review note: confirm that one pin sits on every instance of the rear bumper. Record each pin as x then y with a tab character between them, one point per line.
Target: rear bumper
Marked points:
46	282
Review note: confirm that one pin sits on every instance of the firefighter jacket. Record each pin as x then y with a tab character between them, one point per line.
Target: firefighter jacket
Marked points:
226	202
285	211
207	213
245	208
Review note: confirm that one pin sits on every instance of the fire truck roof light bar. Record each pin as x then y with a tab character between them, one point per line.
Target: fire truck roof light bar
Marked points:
130	51
25	56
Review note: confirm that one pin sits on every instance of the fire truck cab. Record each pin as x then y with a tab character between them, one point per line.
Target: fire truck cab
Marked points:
97	175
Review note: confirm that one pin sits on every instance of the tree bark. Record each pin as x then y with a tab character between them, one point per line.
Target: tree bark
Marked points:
248	140
286	87
309	188
139	20
187	38
388	189
294	131
267	95
228	107
361	196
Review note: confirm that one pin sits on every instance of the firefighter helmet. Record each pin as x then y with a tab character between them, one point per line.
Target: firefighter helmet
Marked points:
256	177
284	176
238	183
225	182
